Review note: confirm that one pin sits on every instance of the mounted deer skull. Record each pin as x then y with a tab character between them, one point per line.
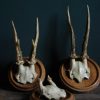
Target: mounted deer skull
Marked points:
52	91
79	68
26	74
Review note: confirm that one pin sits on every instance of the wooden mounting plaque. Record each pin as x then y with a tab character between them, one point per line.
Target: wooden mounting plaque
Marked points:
29	86
84	86
70	96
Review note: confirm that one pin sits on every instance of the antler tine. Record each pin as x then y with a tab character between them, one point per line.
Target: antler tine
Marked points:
15	33
17	43
36	41
86	36
73	52
37	32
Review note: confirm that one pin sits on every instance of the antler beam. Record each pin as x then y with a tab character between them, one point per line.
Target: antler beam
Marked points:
35	42
73	52
86	36
17	43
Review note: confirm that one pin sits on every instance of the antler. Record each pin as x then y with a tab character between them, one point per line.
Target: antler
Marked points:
73	52
86	36
17	43
35	42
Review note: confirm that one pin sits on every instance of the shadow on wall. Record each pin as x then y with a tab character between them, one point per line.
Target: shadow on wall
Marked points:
4	82
8	56
56	46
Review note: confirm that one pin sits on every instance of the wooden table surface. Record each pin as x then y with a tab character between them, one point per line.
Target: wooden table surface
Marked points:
11	95
92	95
15	95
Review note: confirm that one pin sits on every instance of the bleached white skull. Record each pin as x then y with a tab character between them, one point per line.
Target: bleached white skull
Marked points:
26	74
52	91
80	70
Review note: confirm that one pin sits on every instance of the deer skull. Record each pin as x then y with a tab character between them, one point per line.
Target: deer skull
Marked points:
26	74
52	91
79	68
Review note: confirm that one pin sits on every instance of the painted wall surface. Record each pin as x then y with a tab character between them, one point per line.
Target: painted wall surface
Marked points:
54	41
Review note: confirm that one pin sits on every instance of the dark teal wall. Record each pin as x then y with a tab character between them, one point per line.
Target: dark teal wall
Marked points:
54	41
